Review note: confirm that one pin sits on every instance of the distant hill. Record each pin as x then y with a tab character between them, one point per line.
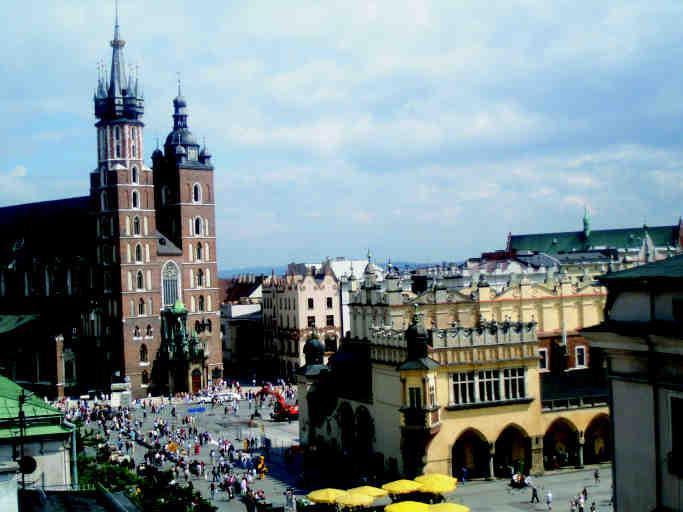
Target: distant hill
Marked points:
281	269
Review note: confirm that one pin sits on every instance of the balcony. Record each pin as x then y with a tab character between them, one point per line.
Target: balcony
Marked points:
422	419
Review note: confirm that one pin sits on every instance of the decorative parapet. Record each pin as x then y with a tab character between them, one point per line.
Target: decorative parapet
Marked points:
487	333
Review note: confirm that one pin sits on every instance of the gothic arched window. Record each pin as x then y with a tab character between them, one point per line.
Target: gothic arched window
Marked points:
208	325
170	283
200	303
133	142
136	225
145	377
141	307
198	226
148	331
117	142
138	253
140	281
200	278
136	199
134	175
143	353
136	332
196	193
199	251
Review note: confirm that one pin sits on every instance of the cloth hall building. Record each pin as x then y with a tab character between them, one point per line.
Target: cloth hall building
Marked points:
131	294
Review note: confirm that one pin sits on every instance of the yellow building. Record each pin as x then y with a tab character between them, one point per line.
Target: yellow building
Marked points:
453	398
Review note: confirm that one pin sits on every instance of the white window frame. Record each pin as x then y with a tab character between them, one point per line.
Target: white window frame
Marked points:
465	395
197	186
576	356
545	368
511	380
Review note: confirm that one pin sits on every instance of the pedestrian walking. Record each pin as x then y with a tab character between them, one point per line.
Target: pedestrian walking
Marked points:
212	490
549	499
534	494
596	476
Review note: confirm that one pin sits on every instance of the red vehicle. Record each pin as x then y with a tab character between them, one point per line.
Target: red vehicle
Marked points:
281	409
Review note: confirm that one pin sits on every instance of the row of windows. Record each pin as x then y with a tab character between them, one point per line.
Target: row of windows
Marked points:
287	303
329	321
137	333
200	279
579	358
119	136
199	226
200	252
488	385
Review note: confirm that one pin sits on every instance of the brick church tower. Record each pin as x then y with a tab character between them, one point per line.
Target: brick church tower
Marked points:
155	248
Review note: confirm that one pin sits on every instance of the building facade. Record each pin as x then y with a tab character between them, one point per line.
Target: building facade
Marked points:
147	260
449	400
641	336
295	308
242	325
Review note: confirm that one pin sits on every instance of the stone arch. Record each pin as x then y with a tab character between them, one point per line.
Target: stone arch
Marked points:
471	452
560	444
597	440
512	451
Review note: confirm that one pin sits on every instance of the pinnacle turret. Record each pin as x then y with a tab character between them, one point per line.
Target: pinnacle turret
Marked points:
120	98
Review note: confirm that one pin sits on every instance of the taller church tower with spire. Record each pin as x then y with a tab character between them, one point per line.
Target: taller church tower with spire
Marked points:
155	248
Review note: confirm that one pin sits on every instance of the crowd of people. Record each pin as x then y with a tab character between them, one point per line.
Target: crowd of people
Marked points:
177	443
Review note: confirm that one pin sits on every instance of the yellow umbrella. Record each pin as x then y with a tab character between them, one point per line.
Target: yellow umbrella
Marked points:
369	490
402	486
354	499
325	495
407	506
448	507
436	483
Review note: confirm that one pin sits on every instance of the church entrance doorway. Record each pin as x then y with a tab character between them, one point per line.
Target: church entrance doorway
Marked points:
196	380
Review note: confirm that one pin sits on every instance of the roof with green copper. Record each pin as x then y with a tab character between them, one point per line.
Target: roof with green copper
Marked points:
34	430
569	241
10	322
179	307
9	402
670	268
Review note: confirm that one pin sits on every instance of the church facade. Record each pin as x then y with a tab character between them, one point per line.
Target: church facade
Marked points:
135	296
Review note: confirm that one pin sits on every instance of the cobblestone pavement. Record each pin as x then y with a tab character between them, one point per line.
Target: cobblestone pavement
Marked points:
480	496
235	428
485	496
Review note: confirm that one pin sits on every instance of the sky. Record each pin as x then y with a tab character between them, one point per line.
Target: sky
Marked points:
422	130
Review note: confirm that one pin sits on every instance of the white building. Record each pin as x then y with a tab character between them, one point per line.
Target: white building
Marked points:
643	339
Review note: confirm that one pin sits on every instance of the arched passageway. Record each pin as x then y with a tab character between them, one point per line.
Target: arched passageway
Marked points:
471	452
560	445
513	452
597	442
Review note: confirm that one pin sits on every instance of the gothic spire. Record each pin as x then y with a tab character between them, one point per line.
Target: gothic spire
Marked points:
118	96
117	81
